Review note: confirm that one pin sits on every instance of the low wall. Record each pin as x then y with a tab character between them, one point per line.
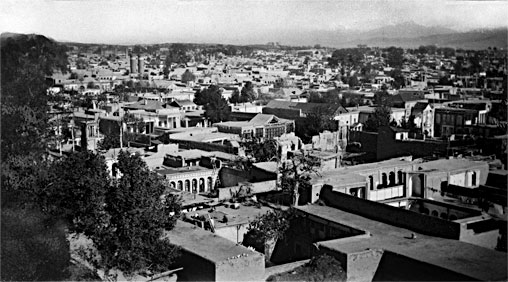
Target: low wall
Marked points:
391	215
232	177
257	187
277	269
209	147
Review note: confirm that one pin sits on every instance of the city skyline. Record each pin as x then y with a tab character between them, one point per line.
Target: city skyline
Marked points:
236	22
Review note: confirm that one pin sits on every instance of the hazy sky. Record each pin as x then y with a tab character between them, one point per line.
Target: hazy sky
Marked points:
232	21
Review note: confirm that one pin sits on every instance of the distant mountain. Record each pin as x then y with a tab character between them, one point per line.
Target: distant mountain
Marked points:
403	30
478	39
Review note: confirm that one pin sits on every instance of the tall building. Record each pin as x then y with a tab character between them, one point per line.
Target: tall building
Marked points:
133	65
141	65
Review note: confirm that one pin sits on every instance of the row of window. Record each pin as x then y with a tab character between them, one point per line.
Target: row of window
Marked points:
193	185
389	180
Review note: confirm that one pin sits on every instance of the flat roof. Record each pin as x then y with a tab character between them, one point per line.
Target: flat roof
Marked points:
460	257
206	244
207	137
242	215
167	170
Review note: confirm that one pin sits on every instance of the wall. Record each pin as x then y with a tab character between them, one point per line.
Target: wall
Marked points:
205	146
257	187
245	268
232	177
362	266
282	113
395	267
391	215
388	147
233	233
483	233
191	263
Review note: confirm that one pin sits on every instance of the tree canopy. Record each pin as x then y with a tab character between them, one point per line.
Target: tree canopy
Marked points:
296	174
216	107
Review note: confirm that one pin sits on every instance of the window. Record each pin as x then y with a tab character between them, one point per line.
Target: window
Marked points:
473	179
371	182
400	177
391	178
384	181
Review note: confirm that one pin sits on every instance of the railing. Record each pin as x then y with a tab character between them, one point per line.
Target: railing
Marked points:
386	193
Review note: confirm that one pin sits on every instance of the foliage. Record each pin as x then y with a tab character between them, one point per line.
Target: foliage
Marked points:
381	117
319	268
25	62
394	57
346	57
235	97
272	225
77	191
398	79
319	120
352	81
34	247
188	76
216	107
248	94
137	214
296	174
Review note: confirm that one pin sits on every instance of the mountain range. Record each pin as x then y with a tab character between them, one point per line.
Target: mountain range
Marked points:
406	35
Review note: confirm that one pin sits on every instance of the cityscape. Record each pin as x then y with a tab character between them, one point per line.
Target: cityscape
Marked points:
254	140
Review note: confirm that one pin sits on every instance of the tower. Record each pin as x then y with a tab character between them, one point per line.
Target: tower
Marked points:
133	65
141	65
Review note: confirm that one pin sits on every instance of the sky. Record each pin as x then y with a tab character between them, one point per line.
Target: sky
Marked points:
233	21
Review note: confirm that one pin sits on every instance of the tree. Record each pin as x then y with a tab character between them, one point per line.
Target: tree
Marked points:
34	246
394	57
77	191
188	76
248	94
398	78
296	174
272	225
235	97
381	117
26	60
216	107
319	120
138	210
352	81
257	150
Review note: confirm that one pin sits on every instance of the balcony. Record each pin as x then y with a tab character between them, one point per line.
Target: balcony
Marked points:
387	193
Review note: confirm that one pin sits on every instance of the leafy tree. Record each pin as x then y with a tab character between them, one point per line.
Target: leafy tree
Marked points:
398	79
352	81
26	60
34	246
235	97
272	225
138	211
394	57
216	107
320	268
77	191
381	117
296	174
188	76
257	150
319	120
248	94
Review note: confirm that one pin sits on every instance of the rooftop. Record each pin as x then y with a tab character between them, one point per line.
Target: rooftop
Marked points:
464	258
242	215
216	249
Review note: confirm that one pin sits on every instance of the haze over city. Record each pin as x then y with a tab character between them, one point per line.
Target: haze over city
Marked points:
235	22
